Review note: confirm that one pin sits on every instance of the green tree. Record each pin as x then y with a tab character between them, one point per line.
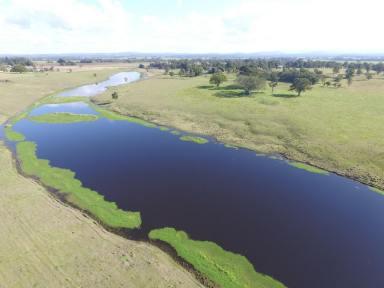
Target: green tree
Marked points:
18	68
273	81
301	85
367	67
196	70
337	80
115	95
250	83
323	79
61	61
349	73
218	78
336	70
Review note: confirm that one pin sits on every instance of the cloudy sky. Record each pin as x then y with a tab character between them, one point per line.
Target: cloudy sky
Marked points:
194	26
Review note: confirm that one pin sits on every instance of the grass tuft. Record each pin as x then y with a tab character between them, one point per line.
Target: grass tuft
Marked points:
163	128
65	182
175	132
63	117
377	190
195	139
225	268
308	168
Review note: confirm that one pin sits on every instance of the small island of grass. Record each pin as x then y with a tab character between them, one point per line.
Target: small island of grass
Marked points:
13	135
63	117
195	139
377	190
225	268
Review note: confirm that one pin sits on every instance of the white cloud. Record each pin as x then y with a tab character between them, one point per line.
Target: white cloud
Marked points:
42	26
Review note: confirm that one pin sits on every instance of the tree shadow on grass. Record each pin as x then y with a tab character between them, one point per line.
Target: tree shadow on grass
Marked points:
205	87
231	94
220	88
236	93
285	95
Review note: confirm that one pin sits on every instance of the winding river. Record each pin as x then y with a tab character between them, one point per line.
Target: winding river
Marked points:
301	228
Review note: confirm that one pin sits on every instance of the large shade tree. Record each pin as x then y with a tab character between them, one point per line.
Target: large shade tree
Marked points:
218	78
301	85
250	83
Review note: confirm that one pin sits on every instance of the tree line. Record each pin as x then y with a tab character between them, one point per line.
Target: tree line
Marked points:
254	74
191	67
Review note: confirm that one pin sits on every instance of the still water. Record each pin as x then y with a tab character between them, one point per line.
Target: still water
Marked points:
303	229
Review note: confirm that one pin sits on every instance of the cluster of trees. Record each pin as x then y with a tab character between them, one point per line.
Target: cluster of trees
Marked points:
211	66
12	61
64	62
18	64
19	68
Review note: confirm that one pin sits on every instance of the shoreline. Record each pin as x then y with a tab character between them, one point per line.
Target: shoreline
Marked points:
282	155
130	234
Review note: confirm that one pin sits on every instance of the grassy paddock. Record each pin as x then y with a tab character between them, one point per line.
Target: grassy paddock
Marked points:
65	182
194	139
337	130
63	117
225	268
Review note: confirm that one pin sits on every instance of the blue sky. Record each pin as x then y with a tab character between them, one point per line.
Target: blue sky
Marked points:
193	26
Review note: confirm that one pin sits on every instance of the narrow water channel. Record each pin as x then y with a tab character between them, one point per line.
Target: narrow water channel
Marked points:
303	229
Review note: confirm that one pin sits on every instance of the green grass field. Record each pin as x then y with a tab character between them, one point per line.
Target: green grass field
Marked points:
225	268
65	182
334	129
63	117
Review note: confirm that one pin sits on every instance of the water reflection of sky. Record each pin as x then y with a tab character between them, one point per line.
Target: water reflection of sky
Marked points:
75	107
94	89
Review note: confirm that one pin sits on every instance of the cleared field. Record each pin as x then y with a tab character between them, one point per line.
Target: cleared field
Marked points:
338	130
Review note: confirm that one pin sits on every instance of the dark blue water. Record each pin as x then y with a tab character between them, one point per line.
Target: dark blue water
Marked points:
304	229
93	89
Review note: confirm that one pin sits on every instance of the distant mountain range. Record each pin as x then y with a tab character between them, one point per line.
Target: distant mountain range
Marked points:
138	55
